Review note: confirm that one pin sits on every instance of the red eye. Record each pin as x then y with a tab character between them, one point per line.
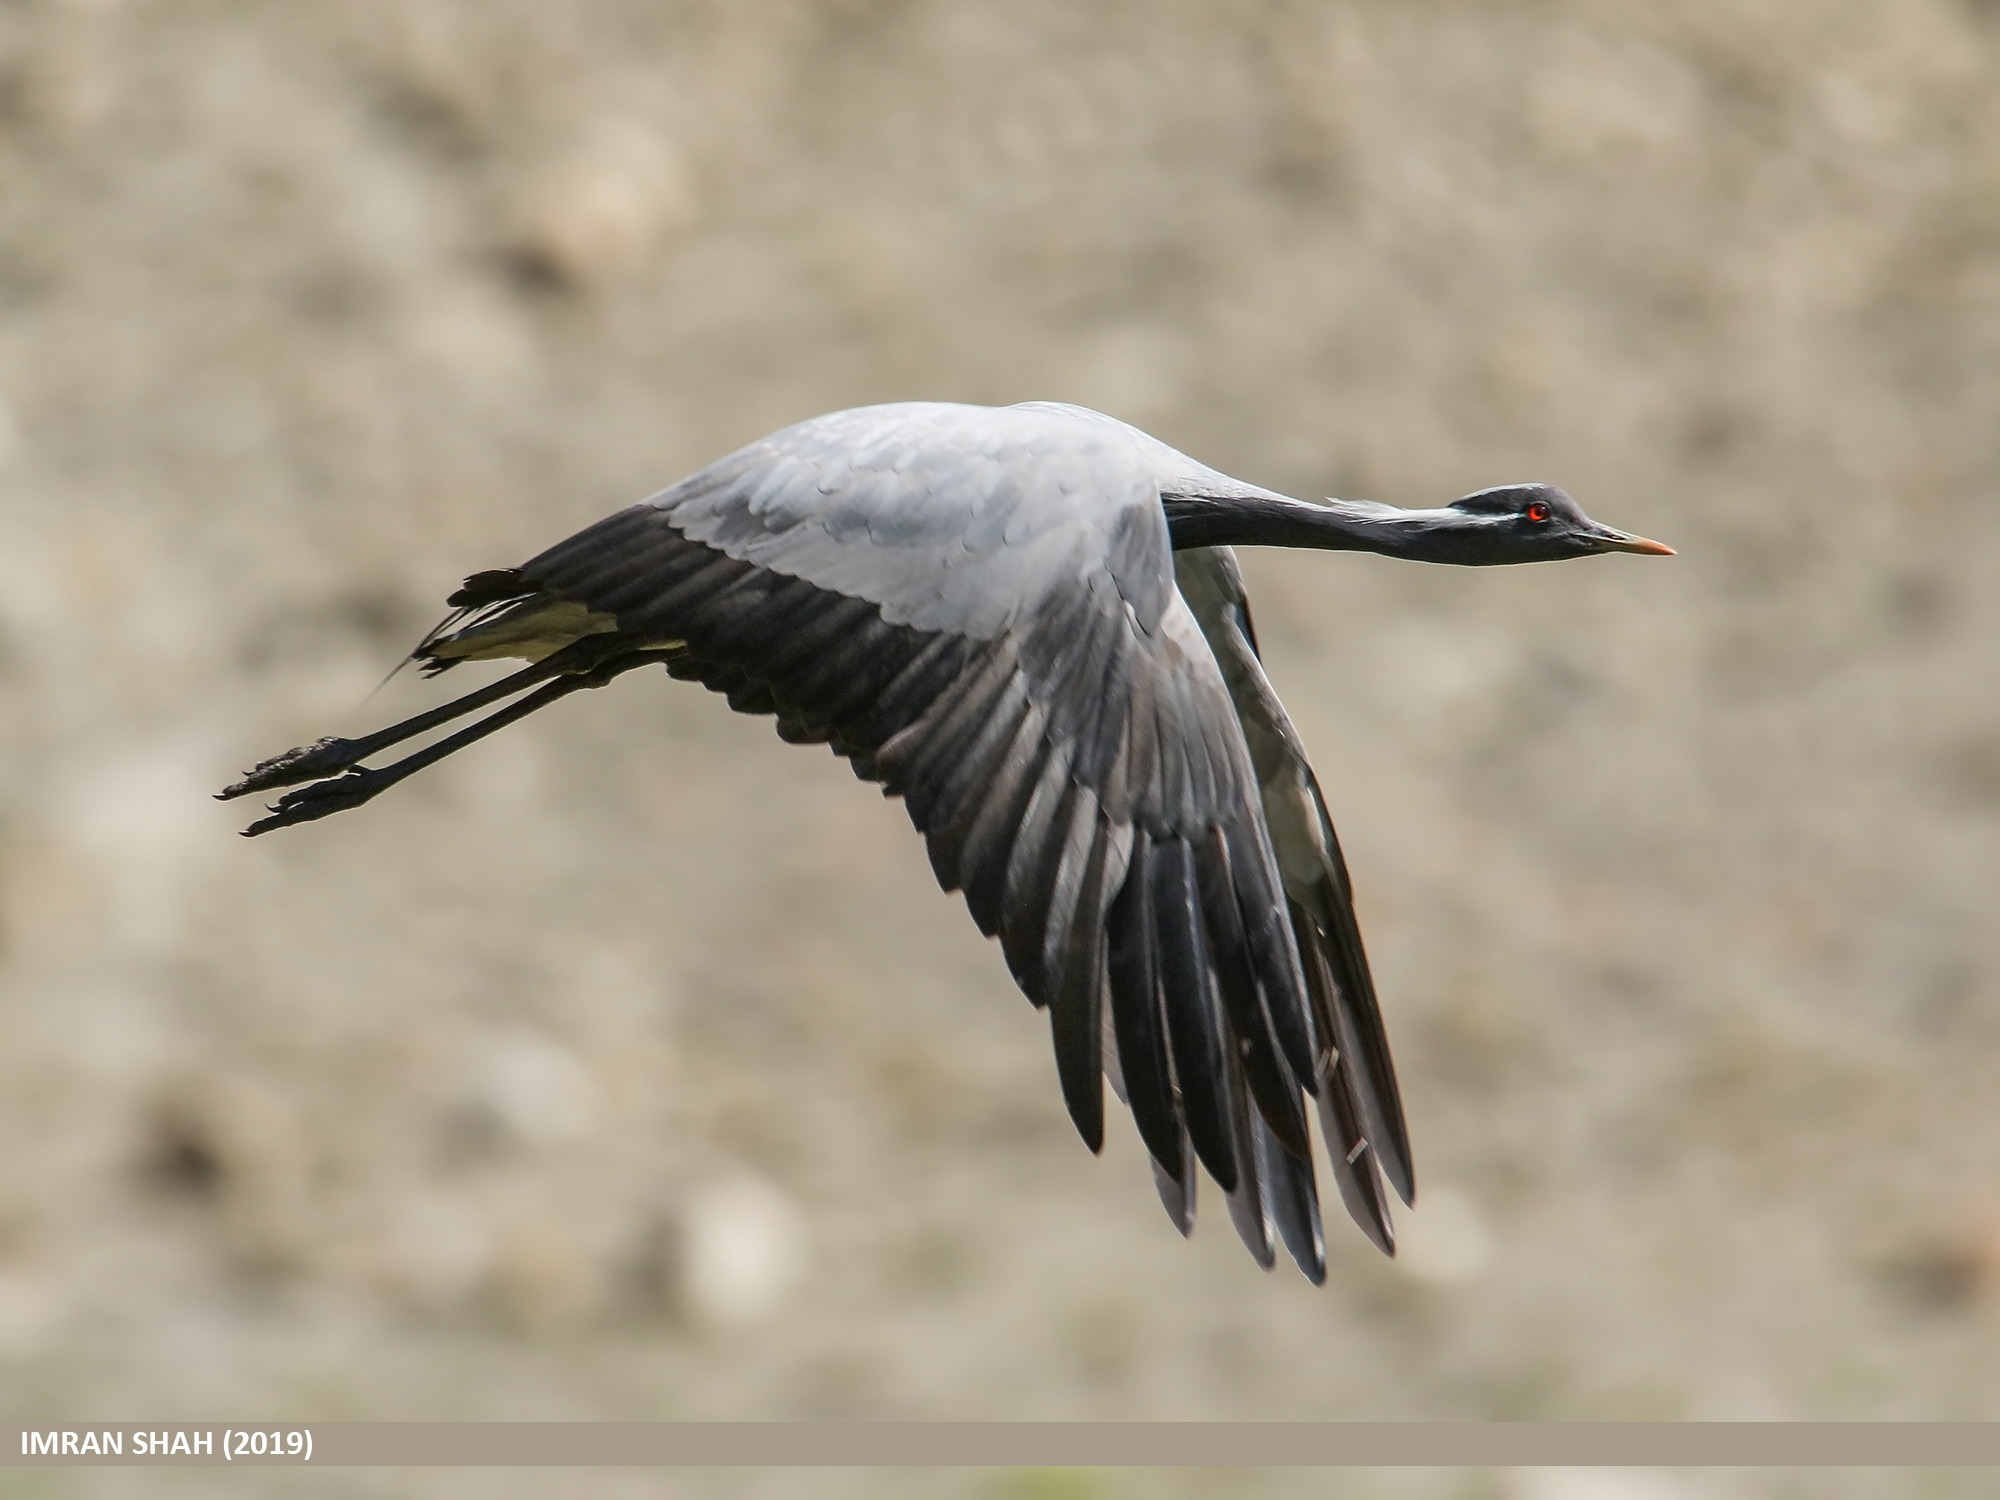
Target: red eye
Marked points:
1537	511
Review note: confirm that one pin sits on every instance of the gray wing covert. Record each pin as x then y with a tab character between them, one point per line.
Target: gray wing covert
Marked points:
980	614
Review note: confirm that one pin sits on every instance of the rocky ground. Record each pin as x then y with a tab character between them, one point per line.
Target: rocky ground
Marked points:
631	1067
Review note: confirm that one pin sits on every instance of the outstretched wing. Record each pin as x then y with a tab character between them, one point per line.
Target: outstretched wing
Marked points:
977	608
1361	1109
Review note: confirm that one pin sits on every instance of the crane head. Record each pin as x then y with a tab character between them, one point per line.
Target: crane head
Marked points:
1536	523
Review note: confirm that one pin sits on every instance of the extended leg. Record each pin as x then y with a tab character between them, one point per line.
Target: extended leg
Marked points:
330	756
358	784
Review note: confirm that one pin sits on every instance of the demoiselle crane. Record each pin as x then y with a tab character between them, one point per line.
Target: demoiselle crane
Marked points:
1027	623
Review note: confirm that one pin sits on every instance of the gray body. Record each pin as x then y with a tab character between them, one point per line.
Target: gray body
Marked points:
984	610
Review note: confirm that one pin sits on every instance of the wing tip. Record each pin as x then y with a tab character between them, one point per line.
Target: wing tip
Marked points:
1177	1195
1404	1181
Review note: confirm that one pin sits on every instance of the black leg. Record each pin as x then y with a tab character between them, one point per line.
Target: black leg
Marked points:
359	784
331	756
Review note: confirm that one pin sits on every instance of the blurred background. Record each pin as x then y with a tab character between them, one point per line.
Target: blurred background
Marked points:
630	1066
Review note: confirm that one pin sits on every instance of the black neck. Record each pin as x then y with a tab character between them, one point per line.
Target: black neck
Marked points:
1338	526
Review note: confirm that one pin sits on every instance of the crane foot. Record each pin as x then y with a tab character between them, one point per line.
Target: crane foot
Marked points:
322	758
324	798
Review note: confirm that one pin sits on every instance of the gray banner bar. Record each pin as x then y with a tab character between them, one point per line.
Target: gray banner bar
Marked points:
1110	1444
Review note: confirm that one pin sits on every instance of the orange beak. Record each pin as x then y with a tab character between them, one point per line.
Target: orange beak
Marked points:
1624	541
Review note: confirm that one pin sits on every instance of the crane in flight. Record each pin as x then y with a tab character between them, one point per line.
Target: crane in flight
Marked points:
1027	622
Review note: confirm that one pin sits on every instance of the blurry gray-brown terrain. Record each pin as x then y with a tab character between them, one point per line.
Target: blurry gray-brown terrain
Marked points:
630	1065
